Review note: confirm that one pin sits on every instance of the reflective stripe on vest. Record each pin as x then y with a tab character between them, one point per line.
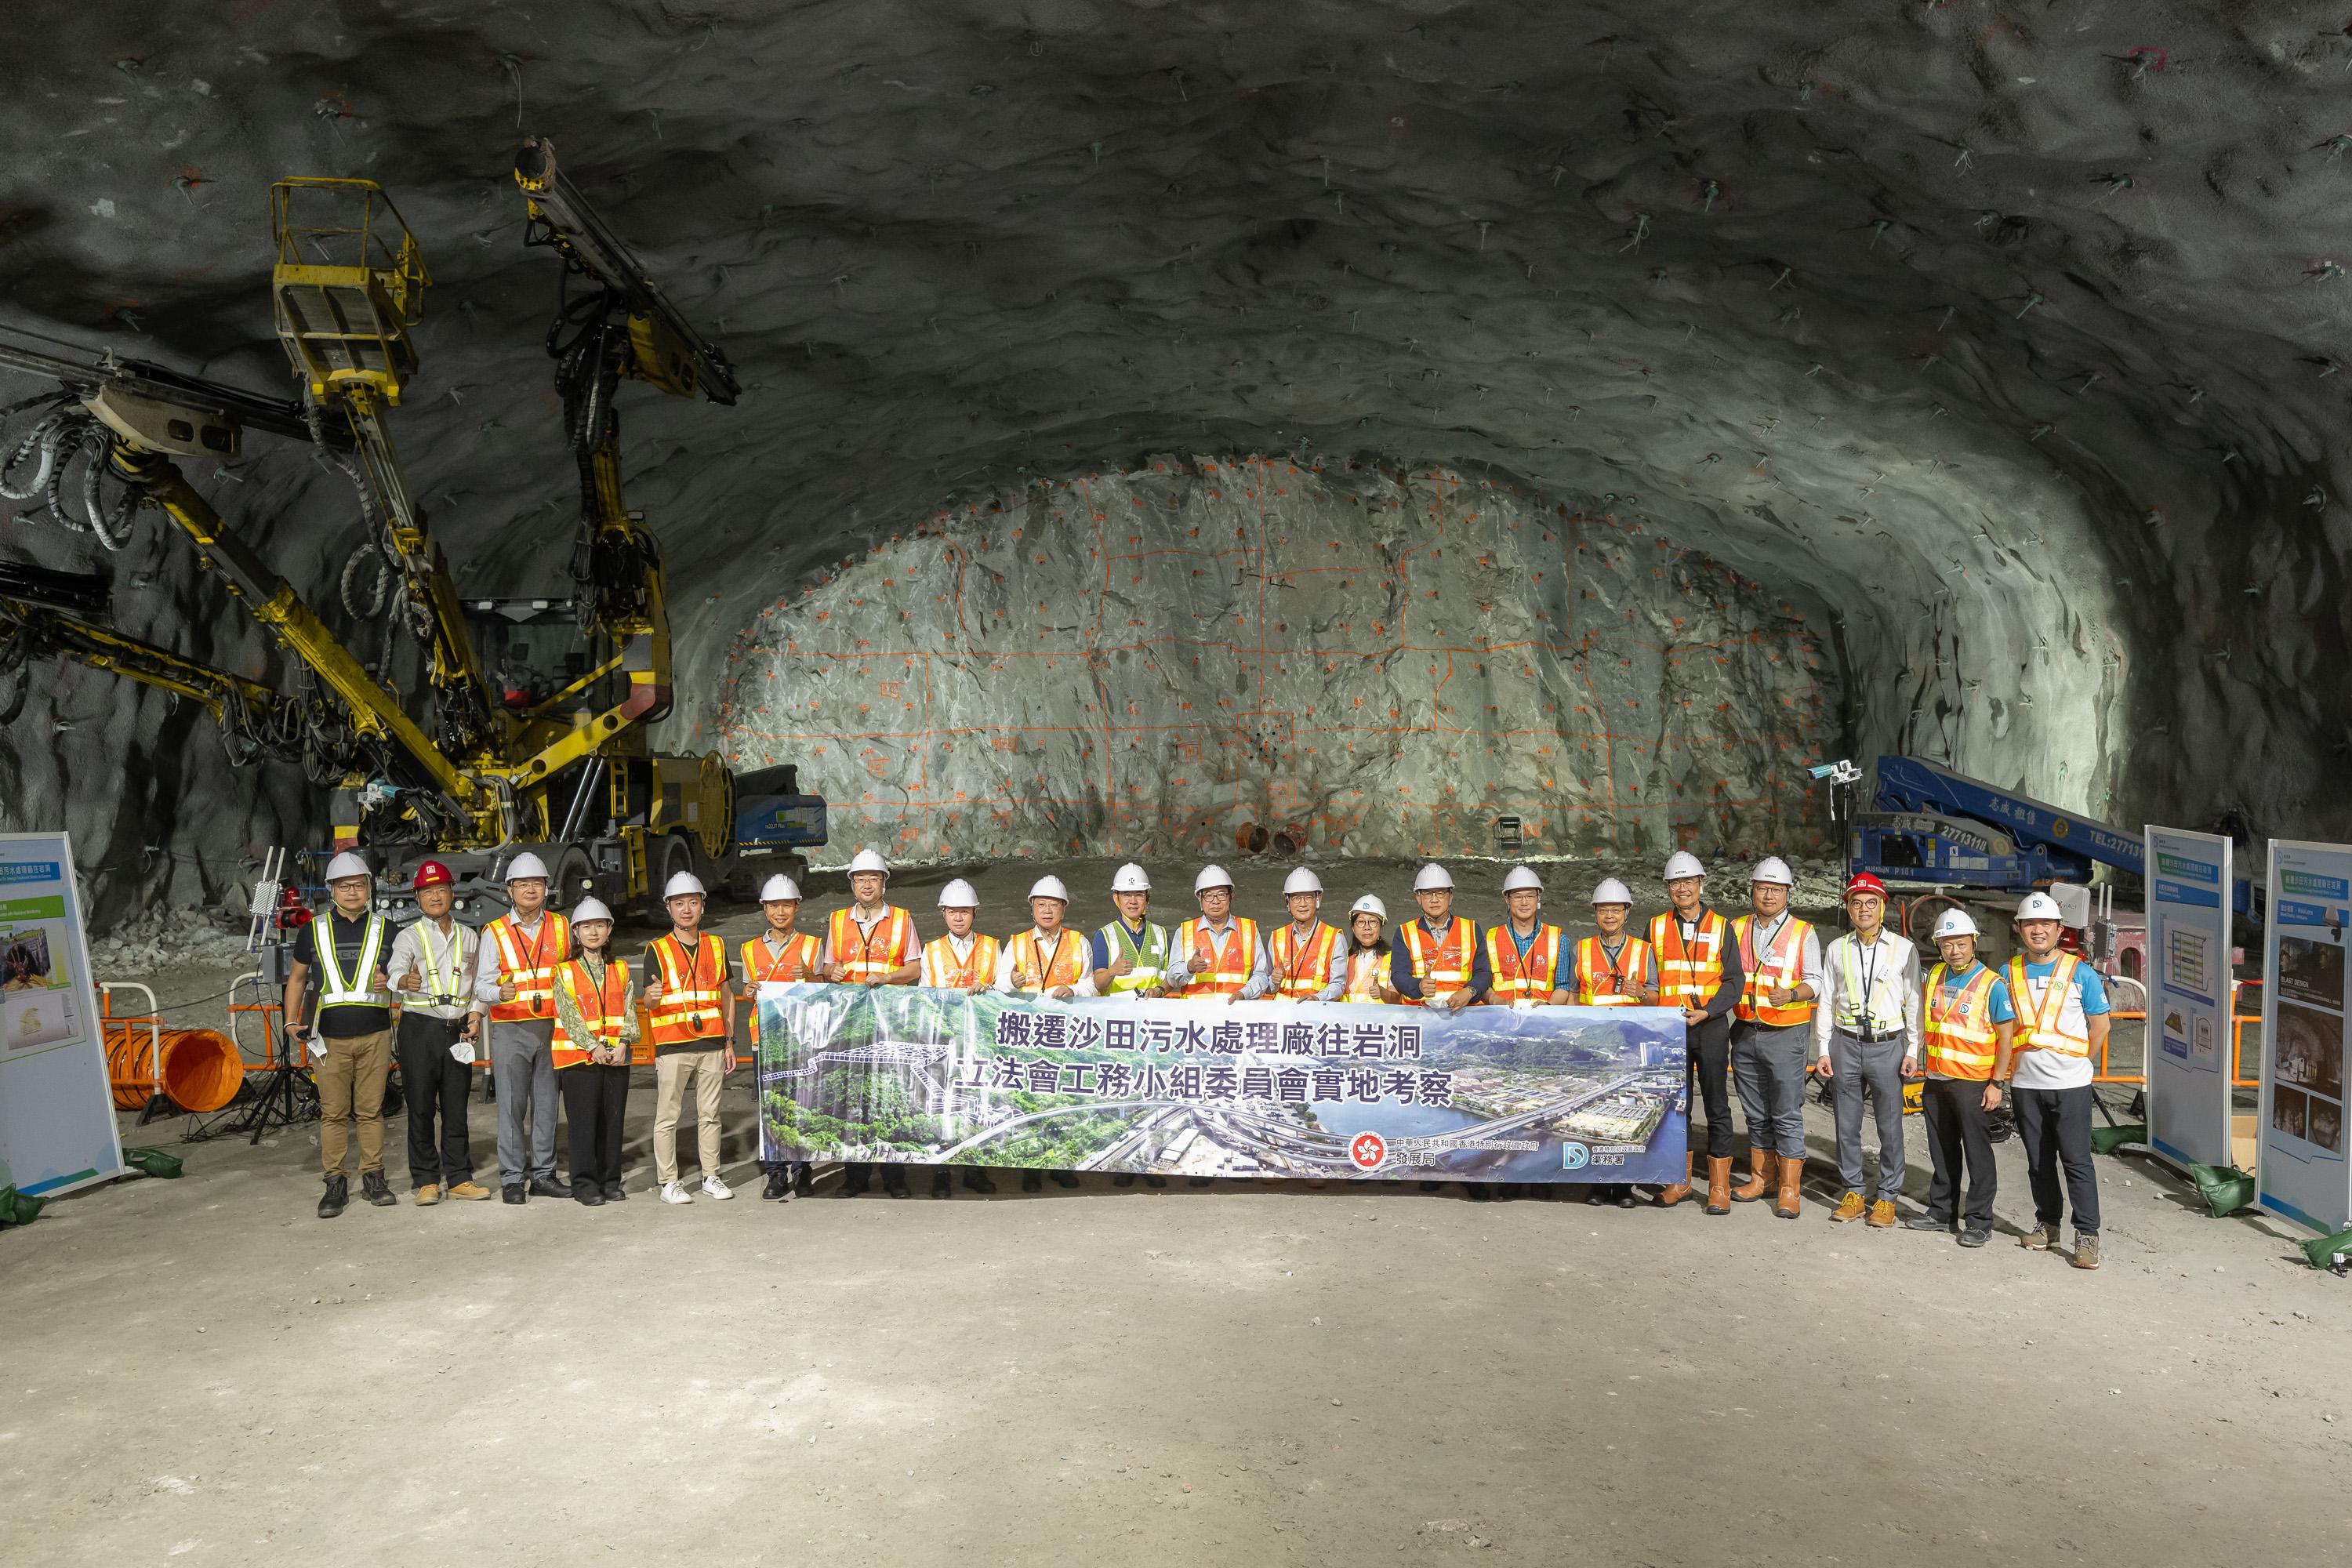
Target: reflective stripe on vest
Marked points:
872	953
1367	972
1440	966
530	970
1601	984
688	1008
358	990
1303	970
2040	1026
1036	969
1688	975
1781	967
1959	1032
942	970
763	965
1229	961
602	1009
1537	980
1149	955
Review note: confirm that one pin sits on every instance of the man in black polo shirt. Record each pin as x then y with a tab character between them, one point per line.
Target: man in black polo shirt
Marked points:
348	1044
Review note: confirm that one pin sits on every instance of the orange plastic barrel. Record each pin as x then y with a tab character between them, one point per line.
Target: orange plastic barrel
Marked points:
201	1069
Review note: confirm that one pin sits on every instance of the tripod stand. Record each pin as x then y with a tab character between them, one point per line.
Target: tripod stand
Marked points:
288	1096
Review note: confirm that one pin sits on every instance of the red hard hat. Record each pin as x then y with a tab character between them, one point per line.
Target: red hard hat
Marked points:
432	874
1864	882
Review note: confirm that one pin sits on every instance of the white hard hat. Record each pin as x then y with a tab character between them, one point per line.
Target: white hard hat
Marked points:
588	909
526	866
1612	891
1680	864
1431	875
1955	923
1369	904
685	882
958	895
1773	870
349	865
780	889
1520	877
1211	877
1131	878
1302	880
2039	907
1048	887
866	860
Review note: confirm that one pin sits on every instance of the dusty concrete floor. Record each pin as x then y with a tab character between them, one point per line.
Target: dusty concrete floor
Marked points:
200	1371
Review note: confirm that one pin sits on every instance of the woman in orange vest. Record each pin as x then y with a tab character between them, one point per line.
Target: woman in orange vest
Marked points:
1698	971
595	1025
1523	954
782	955
1965	1024
1772	1036
1613	970
1311	963
691	1010
1366	974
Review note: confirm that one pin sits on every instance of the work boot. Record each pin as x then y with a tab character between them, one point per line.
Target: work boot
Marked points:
1791	1197
513	1192
940	1186
1881	1215
1975	1237
1476	1192
614	1192
1155	1181
2086	1250
803	1180
549	1188
2041	1237
1850	1207
976	1179
338	1193
1065	1179
779	1186
893	1181
1674	1193
376	1190
853	1182
1196	1181
470	1191
1924	1221
589	1194
428	1194
1760	1166
1718	1184
1124	1179
1032	1181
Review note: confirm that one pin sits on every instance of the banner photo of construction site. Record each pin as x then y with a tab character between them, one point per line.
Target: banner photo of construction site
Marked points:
1313	1090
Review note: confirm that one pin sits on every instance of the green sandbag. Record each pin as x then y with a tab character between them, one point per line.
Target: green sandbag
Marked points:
153	1161
2108	1139
2322	1252
2225	1188
16	1208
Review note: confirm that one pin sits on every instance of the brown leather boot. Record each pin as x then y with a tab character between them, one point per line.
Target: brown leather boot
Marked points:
1760	1178
1676	1192
1718	1184
1791	1198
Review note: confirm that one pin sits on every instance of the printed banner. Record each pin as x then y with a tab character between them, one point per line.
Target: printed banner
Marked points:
56	1112
1194	1088
2191	1043
2304	1006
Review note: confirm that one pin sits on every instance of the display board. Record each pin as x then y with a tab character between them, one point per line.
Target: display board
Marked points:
2305	1174
57	1114
1208	1088
2190	1042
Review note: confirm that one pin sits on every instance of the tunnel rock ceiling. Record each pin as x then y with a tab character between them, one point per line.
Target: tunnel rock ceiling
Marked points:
1999	345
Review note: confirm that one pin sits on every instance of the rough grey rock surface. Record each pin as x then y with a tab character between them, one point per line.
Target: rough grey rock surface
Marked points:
2001	344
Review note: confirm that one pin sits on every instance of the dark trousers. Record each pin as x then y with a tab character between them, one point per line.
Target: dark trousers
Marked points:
435	1084
1709	1049
2055	1125
1953	1110
594	1100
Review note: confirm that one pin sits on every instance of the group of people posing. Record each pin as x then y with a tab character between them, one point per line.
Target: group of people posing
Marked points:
1766	1004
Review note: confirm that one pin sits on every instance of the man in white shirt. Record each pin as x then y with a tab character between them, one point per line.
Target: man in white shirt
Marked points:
432	971
1866	1037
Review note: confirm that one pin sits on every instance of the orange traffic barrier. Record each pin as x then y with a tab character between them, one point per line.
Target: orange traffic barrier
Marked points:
2239	1077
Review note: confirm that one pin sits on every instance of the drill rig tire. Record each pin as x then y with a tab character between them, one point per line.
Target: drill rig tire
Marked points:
664	859
575	879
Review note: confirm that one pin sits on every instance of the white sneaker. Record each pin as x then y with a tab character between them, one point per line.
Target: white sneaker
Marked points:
672	1193
716	1188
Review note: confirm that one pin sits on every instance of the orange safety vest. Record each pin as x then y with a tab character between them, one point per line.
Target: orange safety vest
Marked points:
942	970
856	950
1600	984
530	970
1959	1032
1035	971
1302	971
1687	976
1367	972
1537	980
1782	967
1439	965
2040	1026
1231	960
762	965
603	1009
688	1008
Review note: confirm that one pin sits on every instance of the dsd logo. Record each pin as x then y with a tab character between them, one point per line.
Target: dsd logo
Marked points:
1367	1150
1574	1156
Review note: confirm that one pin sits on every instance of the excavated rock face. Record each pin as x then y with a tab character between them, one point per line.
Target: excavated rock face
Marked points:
1999	345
